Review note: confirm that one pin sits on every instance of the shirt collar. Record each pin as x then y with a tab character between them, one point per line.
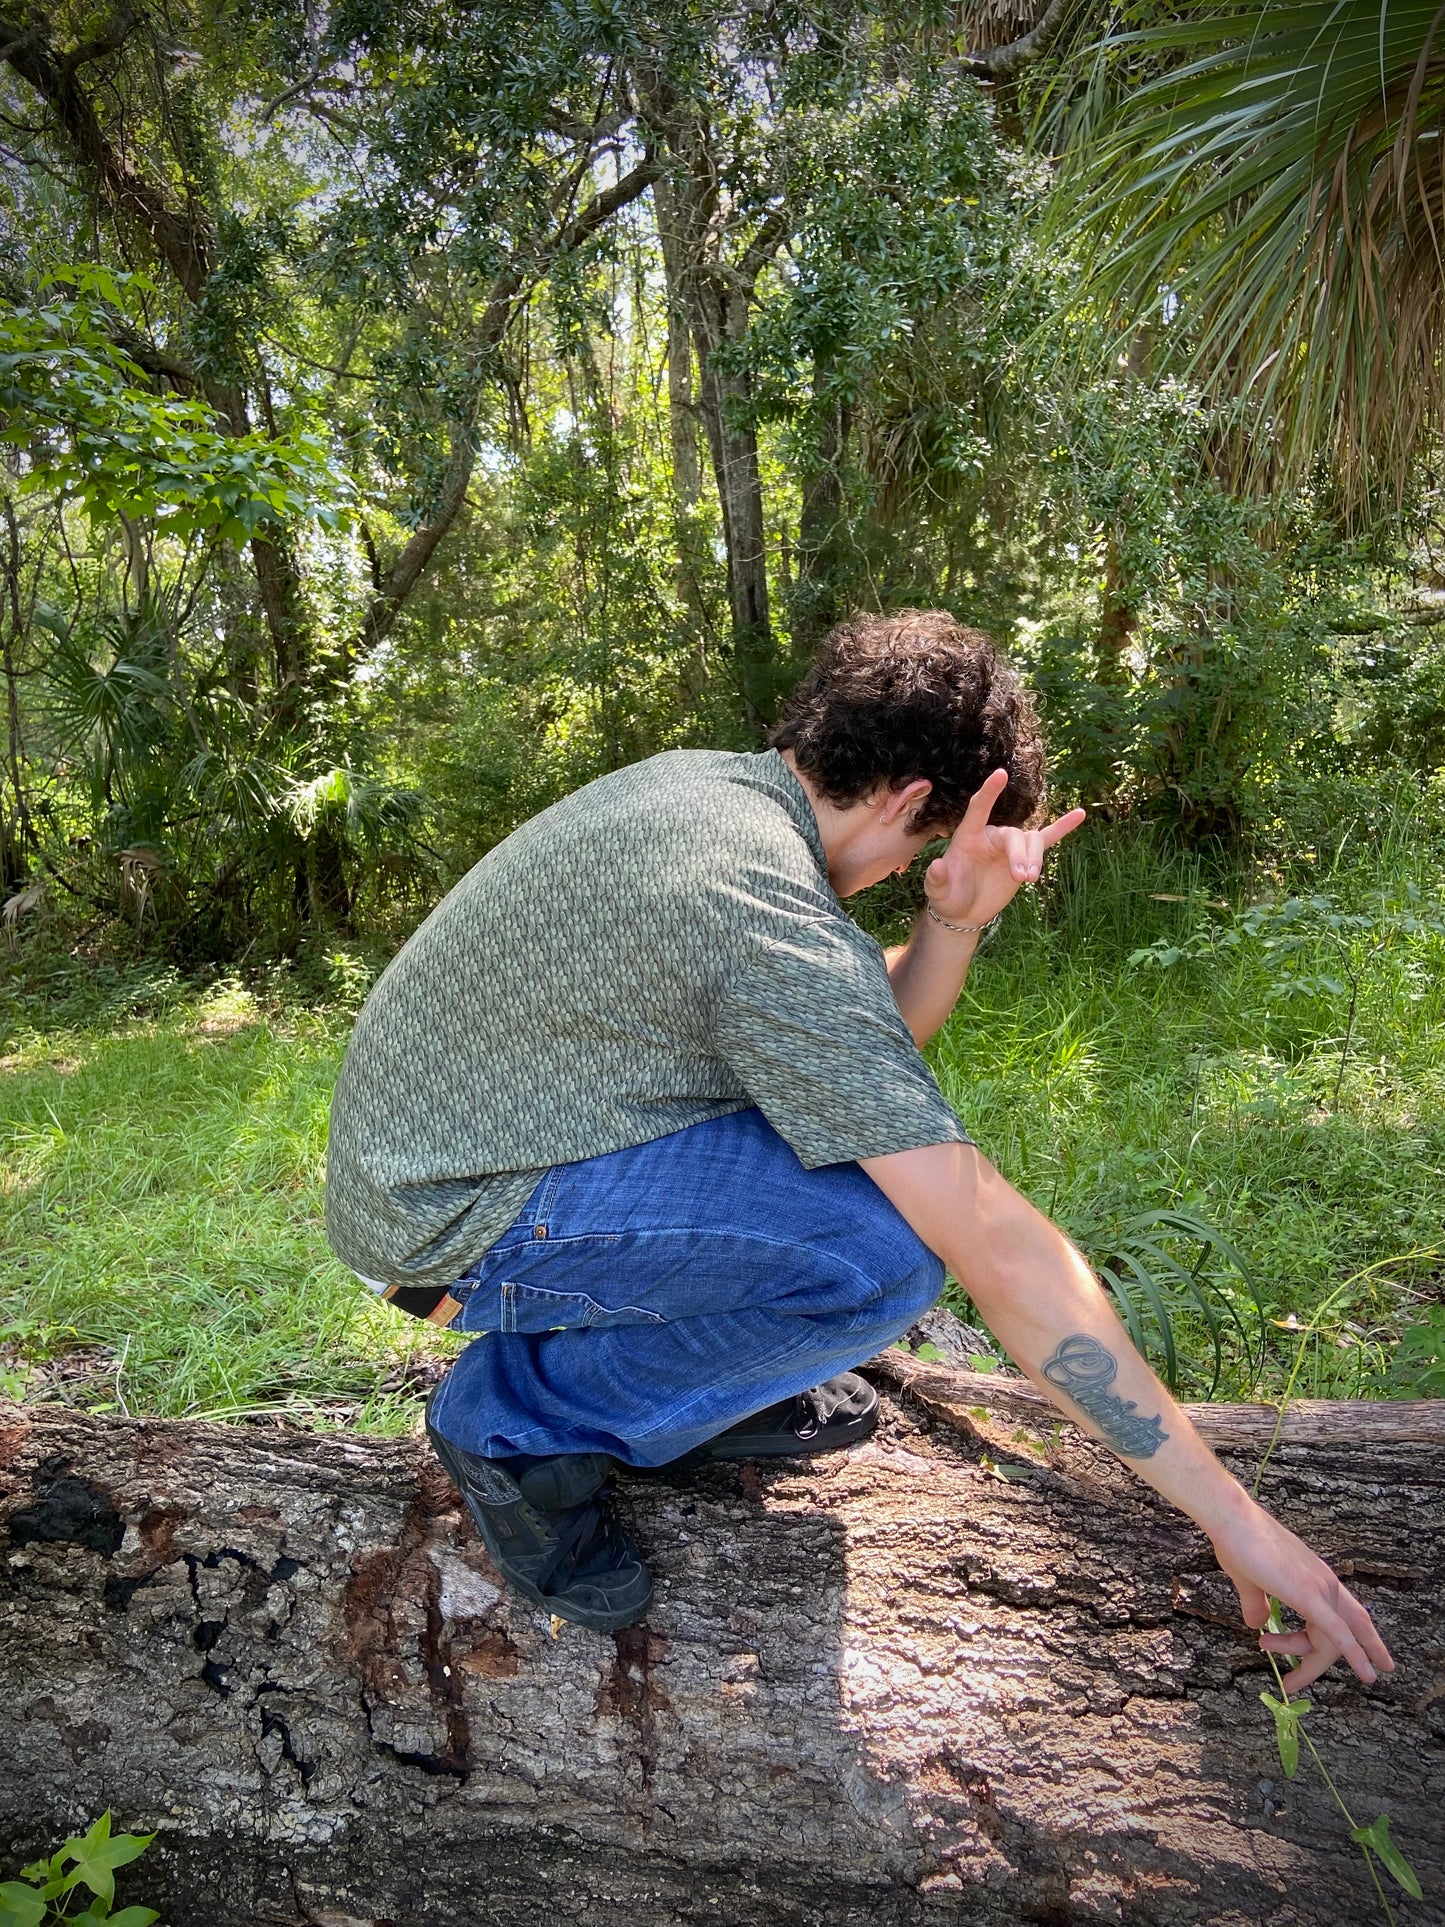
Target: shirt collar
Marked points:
796	801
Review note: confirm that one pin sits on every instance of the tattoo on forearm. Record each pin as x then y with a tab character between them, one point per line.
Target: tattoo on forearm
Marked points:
1082	1368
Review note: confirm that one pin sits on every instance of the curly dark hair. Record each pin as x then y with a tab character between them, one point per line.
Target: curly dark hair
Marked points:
894	697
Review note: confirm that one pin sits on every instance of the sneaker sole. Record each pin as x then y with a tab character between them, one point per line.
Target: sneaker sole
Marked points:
596	1620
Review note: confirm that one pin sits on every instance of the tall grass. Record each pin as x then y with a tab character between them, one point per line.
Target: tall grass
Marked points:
1106	1092
162	1146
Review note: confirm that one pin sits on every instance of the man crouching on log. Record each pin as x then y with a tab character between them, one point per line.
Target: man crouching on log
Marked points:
641	1107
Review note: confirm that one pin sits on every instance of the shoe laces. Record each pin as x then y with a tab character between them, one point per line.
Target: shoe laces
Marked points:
807	1420
588	1542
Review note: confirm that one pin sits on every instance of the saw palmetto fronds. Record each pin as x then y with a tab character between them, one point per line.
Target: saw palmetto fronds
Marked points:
1270	179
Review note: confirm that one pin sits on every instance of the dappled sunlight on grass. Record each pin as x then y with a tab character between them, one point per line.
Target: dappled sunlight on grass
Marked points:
164	1199
162	1153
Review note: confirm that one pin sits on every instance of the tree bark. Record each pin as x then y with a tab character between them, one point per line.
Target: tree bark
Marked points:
714	288
968	1672
817	605
681	403
720	311
18	840
1118	616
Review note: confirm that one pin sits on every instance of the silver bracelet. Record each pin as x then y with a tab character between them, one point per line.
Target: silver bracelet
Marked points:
979	930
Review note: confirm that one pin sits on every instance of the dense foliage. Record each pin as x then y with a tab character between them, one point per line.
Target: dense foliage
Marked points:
408	412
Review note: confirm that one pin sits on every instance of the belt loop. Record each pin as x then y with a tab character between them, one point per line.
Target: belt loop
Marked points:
538	1207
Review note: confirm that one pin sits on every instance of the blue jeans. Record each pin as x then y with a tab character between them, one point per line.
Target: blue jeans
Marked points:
646	1300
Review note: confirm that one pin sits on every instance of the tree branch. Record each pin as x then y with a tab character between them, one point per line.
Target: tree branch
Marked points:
109	42
288	93
31	37
156	361
135	200
997	63
763	247
507	292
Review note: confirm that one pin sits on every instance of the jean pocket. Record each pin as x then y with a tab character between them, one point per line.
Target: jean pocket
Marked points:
511	1307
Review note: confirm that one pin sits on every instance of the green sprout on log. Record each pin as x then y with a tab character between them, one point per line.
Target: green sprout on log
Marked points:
45	1891
1290	1715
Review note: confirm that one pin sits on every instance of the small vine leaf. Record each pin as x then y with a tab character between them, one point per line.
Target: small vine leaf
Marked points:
20	1906
1288	1715
1376	1839
98	1855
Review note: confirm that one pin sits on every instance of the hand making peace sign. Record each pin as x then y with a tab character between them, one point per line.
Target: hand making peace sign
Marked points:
985	863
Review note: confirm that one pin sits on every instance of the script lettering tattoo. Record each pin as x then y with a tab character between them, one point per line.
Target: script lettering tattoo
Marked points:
1082	1368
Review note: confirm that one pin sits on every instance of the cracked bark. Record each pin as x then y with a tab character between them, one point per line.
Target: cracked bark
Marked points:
970	1671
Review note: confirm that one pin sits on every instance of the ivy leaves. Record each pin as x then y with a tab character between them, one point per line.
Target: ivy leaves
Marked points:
90	1860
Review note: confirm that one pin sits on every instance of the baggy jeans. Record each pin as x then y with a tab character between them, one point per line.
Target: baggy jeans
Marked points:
646	1300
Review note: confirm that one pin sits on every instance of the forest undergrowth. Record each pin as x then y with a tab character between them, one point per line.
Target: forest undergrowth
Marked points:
1254	1169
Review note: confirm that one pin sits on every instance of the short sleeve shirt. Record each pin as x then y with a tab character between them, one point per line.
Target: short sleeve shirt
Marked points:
659	948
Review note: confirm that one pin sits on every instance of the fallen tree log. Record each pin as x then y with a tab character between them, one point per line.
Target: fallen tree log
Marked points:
970	1671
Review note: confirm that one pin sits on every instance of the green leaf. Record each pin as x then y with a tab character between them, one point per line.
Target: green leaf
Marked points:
132	1917
97	1856
20	1906
1375	1838
1288	1715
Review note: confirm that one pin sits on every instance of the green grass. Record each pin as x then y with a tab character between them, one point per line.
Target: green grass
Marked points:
161	1235
1106	1091
162	1147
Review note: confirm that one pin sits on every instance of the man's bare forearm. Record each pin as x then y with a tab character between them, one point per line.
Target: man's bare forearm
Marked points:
1044	1305
927	973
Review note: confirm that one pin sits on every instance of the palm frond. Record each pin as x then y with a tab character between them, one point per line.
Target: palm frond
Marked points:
1270	179
1167	1266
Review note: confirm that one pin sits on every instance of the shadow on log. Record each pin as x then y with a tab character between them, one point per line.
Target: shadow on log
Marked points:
970	1671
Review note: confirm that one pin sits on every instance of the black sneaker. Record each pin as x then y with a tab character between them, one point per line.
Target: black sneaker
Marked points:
551	1534
832	1414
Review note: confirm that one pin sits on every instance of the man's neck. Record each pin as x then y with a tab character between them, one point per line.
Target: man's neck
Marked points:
837	829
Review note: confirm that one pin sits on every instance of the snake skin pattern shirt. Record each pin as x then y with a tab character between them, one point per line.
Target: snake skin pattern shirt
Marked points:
658	948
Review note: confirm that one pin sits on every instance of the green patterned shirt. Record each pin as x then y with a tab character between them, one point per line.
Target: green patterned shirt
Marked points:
659	948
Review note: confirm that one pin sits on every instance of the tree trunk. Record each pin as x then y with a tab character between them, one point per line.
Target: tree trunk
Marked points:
720	322
1118	617
968	1672
816	604
682	417
681	404
327	889
18	840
